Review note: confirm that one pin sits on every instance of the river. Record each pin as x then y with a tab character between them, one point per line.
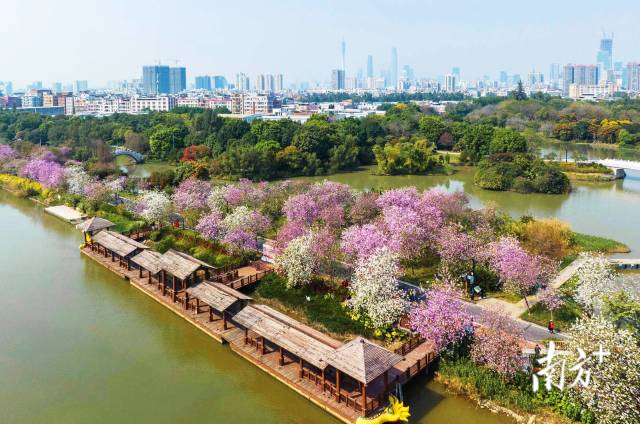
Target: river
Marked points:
79	345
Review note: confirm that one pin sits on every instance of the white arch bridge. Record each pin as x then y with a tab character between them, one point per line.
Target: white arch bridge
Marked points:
619	166
136	156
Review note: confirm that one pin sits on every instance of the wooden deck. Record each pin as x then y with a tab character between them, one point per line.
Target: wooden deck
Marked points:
309	384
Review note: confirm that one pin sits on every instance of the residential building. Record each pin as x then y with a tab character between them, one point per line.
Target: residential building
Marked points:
260	82
10	102
242	82
156	104
6	88
337	79
32	99
554	73
450	83
177	80
279	88
535	78
592	91
633	77
250	104
579	74
203	82
156	80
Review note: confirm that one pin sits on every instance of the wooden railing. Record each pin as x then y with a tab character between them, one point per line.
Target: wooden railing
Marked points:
246	280
421	364
139	234
409	345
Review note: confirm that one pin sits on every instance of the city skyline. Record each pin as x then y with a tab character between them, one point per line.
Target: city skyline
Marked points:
432	38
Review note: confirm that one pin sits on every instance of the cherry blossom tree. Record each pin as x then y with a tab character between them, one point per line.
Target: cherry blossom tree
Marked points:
48	173
455	246
614	388
191	194
519	271
297	261
97	191
216	200
154	206
497	343
375	291
210	225
7	152
364	208
288	232
301	208
361	241
551	299
442	318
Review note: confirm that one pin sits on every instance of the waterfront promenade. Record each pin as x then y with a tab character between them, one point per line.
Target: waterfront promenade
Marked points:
345	403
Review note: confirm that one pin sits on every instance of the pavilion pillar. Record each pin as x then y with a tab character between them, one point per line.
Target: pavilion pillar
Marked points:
197	305
281	360
139	271
301	367
175	292
113	257
164	283
210	314
149	276
264	345
338	385
323	379
224	321
246	336
128	264
186	300
386	381
364	399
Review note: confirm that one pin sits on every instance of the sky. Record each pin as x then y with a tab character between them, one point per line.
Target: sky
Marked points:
98	40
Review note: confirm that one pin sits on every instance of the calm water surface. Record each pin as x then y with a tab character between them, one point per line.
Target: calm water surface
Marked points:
79	345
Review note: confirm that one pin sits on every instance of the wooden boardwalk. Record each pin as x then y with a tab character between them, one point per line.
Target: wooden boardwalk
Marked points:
307	384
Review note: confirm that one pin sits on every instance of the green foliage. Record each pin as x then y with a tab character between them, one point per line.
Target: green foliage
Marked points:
406	157
588	243
622	310
522	173
584	168
506	140
318	302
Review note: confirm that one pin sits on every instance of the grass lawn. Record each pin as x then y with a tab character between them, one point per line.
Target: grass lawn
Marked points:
563	317
587	243
506	296
123	224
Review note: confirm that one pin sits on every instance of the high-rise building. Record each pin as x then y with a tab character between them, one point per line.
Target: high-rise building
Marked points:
260	83
155	79
6	88
370	66
456	72
633	76
279	83
580	75
504	78
450	83
515	79
534	78
337	79
219	82
177	80
343	47
554	73
407	73
203	82
605	54
393	72
242	82
57	87
80	85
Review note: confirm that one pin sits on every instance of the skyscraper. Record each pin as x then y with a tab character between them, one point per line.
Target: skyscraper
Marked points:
393	72
242	82
279	83
261	83
337	79
203	82
504	78
370	66
407	73
344	51
80	85
554	73
155	79
605	54
177	80
456	72
219	82
450	83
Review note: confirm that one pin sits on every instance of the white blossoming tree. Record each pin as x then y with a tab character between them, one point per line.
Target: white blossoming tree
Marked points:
595	280
76	179
216	200
614	388
375	291
154	206
240	217
297	262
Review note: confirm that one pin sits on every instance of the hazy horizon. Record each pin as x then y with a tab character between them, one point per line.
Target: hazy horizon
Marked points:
71	40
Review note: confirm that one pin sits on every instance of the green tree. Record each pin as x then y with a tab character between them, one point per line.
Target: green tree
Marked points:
506	140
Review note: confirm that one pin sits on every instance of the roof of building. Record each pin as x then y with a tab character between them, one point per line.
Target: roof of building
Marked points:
149	260
94	224
295	339
215	296
229	290
180	264
363	360
116	242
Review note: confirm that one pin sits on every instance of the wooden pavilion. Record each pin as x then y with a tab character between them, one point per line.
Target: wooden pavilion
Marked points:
118	246
92	226
364	362
179	271
149	261
219	299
